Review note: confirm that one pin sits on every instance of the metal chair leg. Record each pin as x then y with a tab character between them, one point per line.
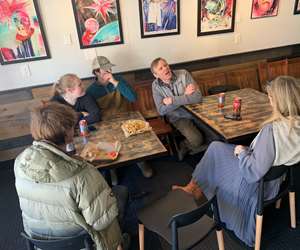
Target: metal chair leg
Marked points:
292	209
142	236
259	221
278	204
220	239
169	144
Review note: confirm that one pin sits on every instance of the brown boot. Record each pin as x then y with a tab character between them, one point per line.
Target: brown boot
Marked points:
192	188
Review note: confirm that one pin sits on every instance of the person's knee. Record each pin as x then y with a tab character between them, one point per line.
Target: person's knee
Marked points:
196	139
216	145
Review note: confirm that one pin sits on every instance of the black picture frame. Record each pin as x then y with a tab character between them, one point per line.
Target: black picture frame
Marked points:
204	22
30	40
297	7
166	23
256	13
110	26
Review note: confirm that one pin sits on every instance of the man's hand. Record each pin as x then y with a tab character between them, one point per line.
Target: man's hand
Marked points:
111	79
168	100
239	149
106	77
190	89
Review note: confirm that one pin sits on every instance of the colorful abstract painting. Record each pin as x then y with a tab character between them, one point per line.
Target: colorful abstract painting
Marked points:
98	22
215	16
297	7
264	8
159	17
21	33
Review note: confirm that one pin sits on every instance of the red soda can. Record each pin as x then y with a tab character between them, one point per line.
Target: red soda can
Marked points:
221	100
84	131
237	106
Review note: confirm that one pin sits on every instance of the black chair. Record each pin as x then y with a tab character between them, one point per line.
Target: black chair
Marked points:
69	243
177	218
221	88
287	186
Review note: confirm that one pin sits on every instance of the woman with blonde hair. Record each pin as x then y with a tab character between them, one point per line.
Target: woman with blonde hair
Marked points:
232	172
62	196
69	91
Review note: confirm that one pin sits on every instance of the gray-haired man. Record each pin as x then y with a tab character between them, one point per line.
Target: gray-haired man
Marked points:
171	90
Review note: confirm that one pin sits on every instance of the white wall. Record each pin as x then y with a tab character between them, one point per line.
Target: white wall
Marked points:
137	53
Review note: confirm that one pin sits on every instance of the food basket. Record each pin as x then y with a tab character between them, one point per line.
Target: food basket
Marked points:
101	151
133	127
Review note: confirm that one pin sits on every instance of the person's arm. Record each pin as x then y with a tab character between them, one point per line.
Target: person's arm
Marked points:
89	105
95	199
125	89
184	99
196	97
162	109
255	163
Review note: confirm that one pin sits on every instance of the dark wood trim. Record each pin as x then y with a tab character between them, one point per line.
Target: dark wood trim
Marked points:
271	54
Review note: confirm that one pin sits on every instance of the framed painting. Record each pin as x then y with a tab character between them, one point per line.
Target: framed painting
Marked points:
159	17
297	7
264	8
215	16
22	36
98	22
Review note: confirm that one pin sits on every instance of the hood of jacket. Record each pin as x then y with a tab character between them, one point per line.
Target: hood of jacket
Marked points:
287	143
44	162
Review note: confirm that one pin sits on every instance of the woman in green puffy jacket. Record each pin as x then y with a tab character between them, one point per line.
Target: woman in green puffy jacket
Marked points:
61	195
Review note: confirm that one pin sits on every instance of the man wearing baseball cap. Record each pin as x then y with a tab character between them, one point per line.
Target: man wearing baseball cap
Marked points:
111	92
113	95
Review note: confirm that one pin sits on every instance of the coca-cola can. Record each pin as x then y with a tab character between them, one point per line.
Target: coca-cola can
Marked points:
237	106
221	100
84	131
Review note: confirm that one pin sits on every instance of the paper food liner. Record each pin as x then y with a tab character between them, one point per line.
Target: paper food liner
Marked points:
101	151
133	127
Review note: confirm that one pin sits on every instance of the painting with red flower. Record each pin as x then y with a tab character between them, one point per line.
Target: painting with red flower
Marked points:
215	16
264	8
22	36
98	22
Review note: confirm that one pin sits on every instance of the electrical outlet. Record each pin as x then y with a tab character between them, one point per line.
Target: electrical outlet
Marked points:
67	39
237	38
25	71
89	54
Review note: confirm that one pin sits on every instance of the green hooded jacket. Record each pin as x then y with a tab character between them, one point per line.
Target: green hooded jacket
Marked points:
62	196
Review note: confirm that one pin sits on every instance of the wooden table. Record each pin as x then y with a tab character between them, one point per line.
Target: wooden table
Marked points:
133	149
255	110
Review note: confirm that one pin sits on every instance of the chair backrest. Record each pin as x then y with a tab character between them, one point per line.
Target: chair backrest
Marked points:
145	103
69	243
275	172
188	218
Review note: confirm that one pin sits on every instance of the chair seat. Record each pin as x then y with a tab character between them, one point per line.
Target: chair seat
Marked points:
156	218
81	241
159	126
